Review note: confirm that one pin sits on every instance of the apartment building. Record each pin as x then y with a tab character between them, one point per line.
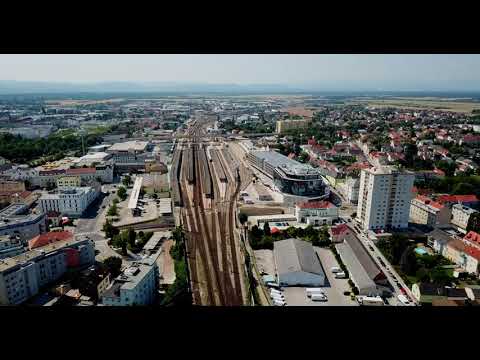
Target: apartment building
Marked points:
10	246
425	211
22	276
137	285
70	202
384	198
12	186
460	216
68	181
15	220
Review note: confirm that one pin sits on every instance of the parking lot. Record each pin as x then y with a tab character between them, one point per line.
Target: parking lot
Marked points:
296	296
334	288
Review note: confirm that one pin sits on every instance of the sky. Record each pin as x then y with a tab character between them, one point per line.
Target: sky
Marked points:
323	71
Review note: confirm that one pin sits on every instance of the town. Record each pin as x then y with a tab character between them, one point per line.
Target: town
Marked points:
247	200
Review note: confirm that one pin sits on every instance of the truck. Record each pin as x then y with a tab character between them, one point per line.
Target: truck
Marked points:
311	291
340	275
335	269
274	291
371	301
319	297
277	297
279	303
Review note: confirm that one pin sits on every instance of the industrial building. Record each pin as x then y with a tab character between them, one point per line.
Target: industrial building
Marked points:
289	176
297	264
23	275
130	154
384	198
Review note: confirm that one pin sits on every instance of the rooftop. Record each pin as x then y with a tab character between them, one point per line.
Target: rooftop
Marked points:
464	208
278	160
48	238
129	146
296	255
316	205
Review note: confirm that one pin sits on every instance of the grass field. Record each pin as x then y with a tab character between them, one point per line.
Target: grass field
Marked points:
422	104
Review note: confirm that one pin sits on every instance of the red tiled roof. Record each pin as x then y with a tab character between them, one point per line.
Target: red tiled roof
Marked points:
49	237
339	229
457	198
315	205
427	201
473	252
24	194
80	171
472	236
274	230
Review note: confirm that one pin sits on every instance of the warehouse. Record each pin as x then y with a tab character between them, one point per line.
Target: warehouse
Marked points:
297	264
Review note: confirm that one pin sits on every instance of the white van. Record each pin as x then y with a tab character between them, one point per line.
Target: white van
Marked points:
335	269
340	275
279	303
311	291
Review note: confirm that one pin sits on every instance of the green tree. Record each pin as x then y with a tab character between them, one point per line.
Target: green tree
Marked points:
408	261
266	229
447	166
127	180
243	218
112	210
109	229
114	265
463	189
122	193
131	237
474	222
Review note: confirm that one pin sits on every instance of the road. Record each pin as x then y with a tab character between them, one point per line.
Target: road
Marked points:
91	222
388	270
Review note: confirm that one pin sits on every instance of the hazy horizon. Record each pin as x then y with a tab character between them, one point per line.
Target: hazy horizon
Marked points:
321	72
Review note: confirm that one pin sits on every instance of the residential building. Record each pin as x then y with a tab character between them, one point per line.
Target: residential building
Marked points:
460	216
100	172
68	181
137	285
49	238
316	212
10	246
384	198
297	264
339	232
428	293
23	275
473	239
12	186
425	211
70	202
350	190
16	220
467	200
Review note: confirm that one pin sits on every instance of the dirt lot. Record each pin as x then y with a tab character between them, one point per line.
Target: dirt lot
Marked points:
422	103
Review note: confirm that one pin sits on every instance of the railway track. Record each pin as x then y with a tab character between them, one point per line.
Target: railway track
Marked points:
209	218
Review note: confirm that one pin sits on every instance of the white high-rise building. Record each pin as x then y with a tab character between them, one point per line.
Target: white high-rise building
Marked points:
384	198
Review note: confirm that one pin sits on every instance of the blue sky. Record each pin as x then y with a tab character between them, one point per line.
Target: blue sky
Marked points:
322	71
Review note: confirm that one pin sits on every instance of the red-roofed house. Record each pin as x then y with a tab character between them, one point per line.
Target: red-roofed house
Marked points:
473	239
467	200
339	232
425	211
48	238
470	139
316	212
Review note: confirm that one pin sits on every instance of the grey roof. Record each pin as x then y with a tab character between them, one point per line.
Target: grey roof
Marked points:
363	256
296	255
440	235
276	159
357	271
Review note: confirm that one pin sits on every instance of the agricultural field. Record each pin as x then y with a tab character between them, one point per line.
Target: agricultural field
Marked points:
428	103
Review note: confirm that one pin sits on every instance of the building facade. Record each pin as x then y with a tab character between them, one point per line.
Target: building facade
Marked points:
289	176
68	181
137	285
71	202
285	125
384	198
15	220
425	211
22	276
316	213
460	216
